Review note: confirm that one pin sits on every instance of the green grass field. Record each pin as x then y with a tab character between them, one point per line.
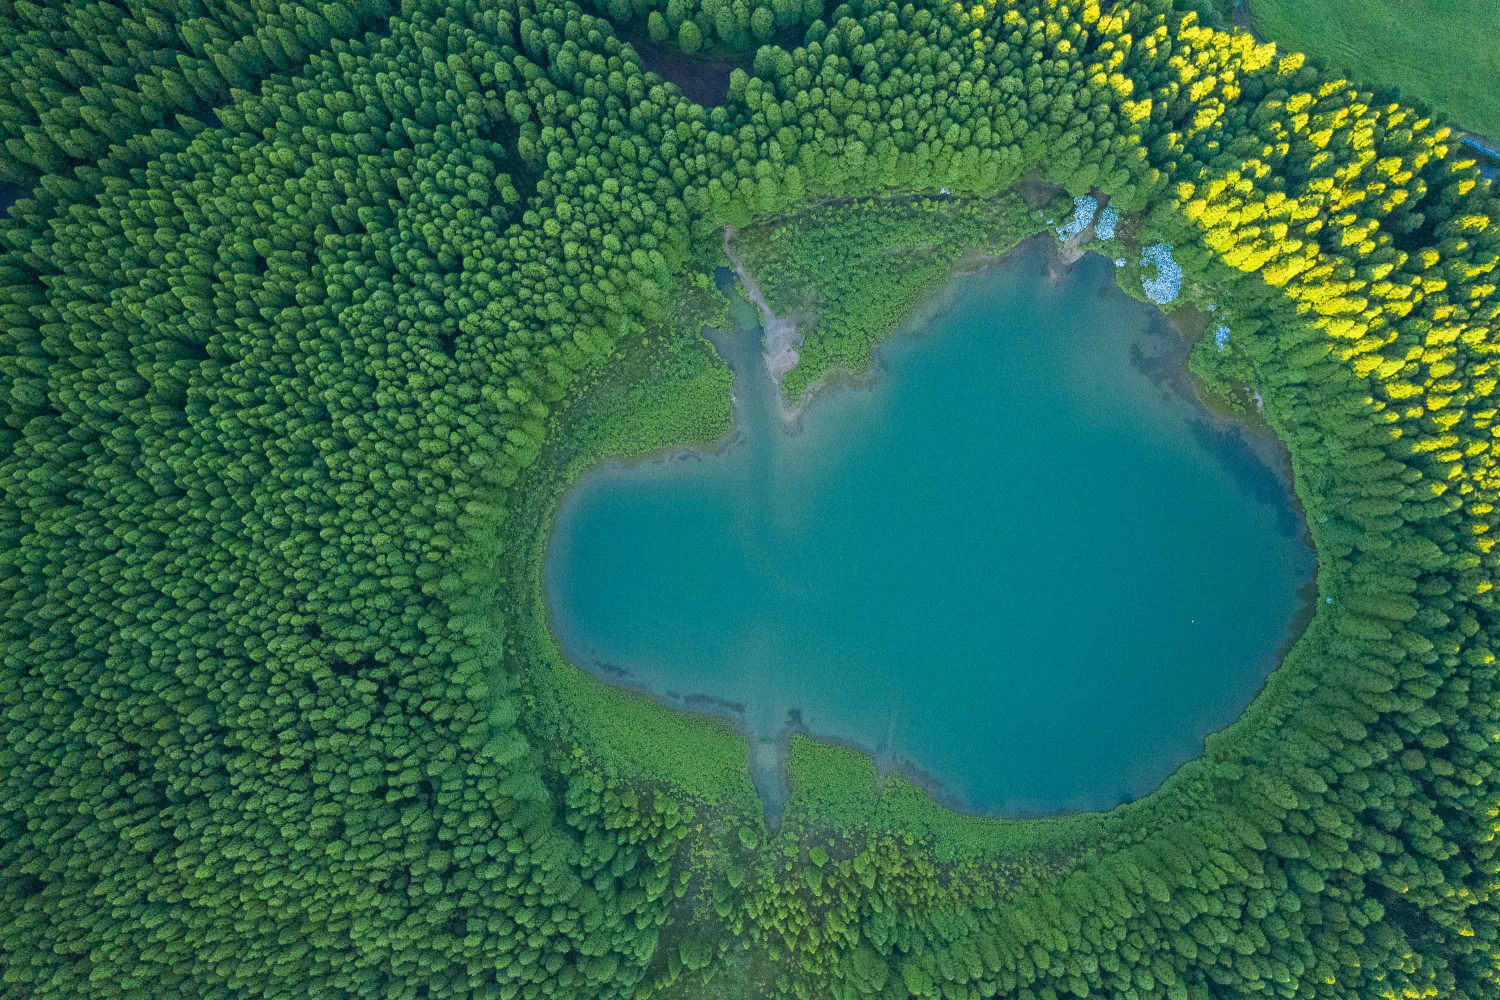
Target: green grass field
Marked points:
1443	52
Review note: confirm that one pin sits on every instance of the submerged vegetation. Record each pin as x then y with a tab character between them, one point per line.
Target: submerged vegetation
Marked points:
276	381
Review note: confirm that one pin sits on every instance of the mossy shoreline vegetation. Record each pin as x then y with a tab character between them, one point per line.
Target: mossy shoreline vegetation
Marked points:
670	392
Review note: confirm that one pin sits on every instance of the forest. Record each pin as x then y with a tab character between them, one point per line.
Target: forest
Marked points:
307	308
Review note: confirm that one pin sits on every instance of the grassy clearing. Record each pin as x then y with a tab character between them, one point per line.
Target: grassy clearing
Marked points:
1443	52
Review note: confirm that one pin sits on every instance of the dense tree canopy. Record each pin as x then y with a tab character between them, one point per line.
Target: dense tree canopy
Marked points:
271	376
724	25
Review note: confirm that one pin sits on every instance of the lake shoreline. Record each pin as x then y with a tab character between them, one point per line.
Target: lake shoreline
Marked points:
1253	425
929	308
1269	445
768	774
780	335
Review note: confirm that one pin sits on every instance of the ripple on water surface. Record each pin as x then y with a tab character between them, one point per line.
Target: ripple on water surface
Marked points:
1024	563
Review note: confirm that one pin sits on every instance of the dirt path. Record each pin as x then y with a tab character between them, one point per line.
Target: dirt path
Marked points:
1244	19
781	334
1489	155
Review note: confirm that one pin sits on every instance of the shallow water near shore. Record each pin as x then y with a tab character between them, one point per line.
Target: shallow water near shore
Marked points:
1023	563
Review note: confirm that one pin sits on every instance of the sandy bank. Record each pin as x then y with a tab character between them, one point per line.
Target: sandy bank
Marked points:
782	337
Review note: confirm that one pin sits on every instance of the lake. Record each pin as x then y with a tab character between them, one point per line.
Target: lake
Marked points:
1023	564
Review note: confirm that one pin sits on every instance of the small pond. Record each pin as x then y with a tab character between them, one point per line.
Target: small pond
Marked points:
1023	564
702	79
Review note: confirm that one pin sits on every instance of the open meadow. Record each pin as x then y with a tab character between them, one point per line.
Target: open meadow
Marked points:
1443	52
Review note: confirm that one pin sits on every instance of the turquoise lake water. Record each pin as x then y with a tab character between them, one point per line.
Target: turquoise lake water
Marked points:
1023	564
